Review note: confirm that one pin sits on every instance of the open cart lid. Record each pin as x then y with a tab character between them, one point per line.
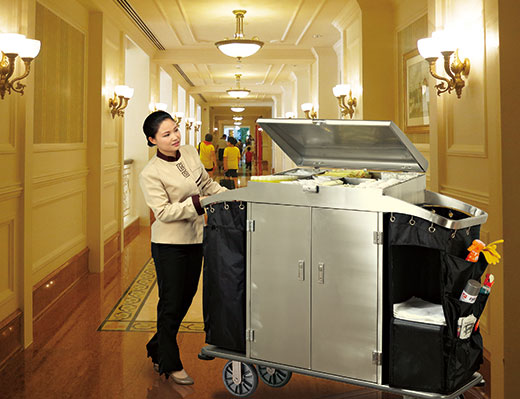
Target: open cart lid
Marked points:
351	144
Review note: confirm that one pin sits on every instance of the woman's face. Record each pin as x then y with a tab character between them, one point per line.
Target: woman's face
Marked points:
168	138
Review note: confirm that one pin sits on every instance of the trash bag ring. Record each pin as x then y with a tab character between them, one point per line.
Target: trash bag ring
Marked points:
431	229
226	206
392	217
411	221
241	206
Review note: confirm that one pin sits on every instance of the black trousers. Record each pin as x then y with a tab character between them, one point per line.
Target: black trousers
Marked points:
178	270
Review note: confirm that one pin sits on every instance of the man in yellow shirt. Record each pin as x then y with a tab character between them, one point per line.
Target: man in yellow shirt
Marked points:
231	157
207	154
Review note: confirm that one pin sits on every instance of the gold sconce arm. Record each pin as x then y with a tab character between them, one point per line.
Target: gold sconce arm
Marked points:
312	114
19	86
177	119
6	71
348	107
116	105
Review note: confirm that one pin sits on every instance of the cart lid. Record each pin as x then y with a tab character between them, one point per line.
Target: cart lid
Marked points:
351	144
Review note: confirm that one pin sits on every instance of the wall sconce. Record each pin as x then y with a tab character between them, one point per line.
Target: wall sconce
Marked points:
290	115
14	45
310	112
197	126
177	117
189	123
346	105
158	107
120	100
431	49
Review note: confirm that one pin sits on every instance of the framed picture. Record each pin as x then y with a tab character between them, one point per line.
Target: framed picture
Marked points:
416	93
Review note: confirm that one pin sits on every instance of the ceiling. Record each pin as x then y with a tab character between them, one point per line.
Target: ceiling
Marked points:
184	33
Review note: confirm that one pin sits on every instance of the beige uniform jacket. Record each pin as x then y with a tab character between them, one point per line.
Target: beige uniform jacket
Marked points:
171	188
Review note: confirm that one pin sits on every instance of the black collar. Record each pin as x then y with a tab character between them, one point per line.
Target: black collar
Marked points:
167	158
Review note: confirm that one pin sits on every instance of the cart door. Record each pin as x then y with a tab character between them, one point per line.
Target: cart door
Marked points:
280	284
344	293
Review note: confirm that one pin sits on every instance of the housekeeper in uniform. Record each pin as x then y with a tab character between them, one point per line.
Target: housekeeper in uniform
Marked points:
173	183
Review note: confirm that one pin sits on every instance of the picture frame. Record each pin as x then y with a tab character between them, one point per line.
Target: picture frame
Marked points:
416	93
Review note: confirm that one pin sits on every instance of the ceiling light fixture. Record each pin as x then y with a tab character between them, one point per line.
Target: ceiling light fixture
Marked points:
239	47
237	109
238	118
238	92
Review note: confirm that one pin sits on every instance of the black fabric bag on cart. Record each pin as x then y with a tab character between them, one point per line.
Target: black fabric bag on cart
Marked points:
428	261
224	275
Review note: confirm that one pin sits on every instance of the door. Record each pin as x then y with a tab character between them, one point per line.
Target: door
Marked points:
344	293
280	284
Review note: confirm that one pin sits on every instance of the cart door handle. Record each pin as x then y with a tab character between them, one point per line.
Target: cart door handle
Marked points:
321	273
301	270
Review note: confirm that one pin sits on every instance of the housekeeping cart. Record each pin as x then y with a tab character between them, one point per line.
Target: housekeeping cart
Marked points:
305	270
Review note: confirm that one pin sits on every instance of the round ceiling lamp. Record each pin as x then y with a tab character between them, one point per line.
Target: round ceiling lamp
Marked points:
238	118
237	109
239	47
238	123
238	92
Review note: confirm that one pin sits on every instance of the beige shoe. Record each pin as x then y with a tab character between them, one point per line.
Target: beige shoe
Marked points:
183	381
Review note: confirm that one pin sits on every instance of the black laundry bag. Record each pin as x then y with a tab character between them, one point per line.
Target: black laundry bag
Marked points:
224	275
428	261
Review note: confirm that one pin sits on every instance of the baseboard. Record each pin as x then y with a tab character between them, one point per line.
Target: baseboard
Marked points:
10	336
112	248
131	231
51	288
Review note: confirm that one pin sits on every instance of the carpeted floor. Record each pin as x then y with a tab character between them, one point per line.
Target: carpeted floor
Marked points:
136	310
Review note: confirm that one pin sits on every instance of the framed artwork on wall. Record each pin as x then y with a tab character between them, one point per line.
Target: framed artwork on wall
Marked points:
416	93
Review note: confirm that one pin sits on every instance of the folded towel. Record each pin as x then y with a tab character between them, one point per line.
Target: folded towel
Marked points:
416	309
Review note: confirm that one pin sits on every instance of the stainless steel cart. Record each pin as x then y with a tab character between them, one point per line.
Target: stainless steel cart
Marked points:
315	296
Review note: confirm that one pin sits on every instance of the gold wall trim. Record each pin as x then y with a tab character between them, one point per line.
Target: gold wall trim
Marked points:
112	144
10	192
43	180
59	196
8	294
59	147
470	196
47	259
7	148
10	336
467	150
112	167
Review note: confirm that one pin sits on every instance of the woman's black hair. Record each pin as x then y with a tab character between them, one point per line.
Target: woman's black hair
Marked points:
208	137
232	140
152	122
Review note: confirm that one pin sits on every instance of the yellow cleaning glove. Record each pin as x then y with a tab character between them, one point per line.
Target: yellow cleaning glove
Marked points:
491	253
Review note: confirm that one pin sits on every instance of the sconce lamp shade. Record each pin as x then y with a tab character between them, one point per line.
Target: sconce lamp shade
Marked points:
198	123
179	115
341	90
428	48
290	115
10	43
307	107
161	106
124	91
445	41
190	120
237	109
29	48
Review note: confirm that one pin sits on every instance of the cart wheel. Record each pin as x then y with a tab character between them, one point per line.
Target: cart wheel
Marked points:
244	383
275	378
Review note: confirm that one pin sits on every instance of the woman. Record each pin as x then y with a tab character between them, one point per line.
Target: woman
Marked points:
173	183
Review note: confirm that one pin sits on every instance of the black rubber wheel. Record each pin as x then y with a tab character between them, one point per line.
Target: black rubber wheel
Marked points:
249	381
275	378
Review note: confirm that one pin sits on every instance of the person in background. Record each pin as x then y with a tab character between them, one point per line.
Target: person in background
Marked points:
221	146
173	183
207	154
231	157
249	159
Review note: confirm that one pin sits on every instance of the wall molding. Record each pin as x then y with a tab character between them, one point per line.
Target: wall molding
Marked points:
112	144
470	196
112	167
8	294
6	148
40	202
55	147
47	259
11	191
467	150
53	178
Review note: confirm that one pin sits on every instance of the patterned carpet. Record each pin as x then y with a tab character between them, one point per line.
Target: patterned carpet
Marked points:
136	310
